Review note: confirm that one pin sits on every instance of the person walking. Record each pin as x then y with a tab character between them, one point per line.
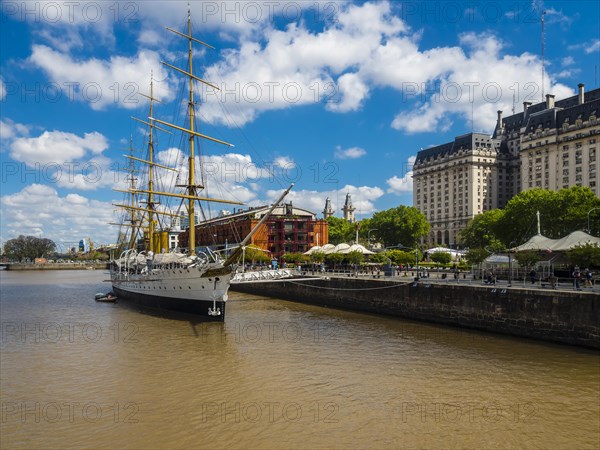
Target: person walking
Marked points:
532	276
588	278
577	278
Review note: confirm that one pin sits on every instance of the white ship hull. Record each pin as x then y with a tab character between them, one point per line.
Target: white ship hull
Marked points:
196	290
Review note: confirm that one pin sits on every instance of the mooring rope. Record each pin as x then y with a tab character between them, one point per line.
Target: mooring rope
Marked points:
349	289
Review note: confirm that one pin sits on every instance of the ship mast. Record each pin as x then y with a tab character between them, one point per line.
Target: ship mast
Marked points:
132	196
151	210
151	223
191	162
191	188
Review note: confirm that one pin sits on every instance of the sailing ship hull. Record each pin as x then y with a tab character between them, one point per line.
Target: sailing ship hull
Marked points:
184	290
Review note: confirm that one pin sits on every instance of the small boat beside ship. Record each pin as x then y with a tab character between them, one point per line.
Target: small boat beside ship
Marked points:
107	298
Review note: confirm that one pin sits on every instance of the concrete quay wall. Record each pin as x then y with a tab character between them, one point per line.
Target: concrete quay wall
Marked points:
554	316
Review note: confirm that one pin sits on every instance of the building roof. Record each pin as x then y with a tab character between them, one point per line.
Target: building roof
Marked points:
259	211
566	108
463	142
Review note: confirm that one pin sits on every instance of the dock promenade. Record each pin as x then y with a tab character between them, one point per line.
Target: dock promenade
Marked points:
464	279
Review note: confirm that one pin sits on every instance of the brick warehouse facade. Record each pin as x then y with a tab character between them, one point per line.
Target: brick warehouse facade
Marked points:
288	230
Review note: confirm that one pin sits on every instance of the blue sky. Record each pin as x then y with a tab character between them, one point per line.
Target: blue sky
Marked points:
337	97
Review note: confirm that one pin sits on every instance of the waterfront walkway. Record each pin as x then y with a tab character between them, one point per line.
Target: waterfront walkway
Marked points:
563	284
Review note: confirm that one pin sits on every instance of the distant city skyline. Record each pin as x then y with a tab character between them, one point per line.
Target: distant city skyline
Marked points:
337	97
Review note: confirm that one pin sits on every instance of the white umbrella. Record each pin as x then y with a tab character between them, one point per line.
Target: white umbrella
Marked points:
314	249
341	248
357	248
328	248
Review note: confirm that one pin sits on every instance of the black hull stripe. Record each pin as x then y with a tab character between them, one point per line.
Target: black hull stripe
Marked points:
172	304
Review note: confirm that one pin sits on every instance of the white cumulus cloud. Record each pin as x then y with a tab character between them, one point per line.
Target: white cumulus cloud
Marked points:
102	83
404	183
349	153
56	147
39	210
363	198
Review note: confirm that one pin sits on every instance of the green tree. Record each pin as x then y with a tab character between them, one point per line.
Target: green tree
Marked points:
578	201
403	257
480	232
477	255
355	257
317	257
28	247
441	257
334	258
527	258
561	212
587	255
379	258
255	255
340	230
295	258
401	225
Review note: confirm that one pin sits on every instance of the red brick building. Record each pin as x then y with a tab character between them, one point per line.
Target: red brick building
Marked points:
288	230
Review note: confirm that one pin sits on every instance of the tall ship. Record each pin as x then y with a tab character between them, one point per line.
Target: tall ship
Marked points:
193	279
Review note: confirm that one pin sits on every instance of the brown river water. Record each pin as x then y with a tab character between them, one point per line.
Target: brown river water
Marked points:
80	374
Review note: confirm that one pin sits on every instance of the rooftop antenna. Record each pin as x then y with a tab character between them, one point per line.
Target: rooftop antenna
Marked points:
543	42
472	119
513	105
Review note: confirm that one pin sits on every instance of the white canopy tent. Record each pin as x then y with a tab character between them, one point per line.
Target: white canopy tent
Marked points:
540	242
456	254
344	249
357	248
315	249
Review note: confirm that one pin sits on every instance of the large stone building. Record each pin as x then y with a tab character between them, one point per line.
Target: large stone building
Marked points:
550	145
557	142
455	181
288	230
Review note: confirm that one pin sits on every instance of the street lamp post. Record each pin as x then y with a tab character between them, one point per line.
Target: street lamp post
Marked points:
369	235
509	270
588	215
510	263
417	260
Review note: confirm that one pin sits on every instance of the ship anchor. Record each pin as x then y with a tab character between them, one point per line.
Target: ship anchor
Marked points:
214	311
